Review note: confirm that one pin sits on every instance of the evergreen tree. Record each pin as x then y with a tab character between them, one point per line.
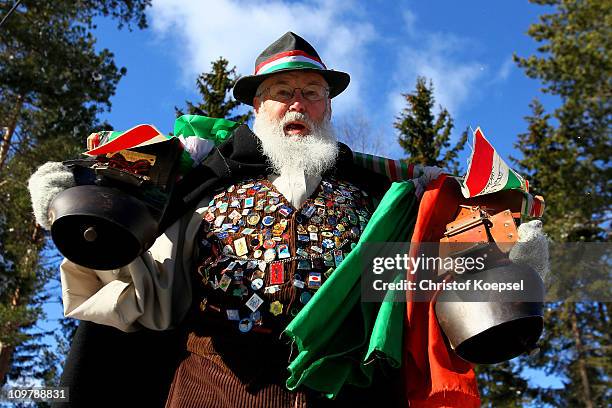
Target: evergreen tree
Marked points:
569	164
574	64
53	85
215	88
425	138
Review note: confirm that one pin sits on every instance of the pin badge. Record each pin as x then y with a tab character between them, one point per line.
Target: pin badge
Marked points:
271	289
269	255
232	314
277	273
219	220
253	219
225	282
257	284
241	246
285	211
309	211
276	308
254	302
317	249
283	251
338	257
245	325
256	317
314	280
327	243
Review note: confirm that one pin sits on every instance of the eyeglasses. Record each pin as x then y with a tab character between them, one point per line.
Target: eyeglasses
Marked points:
285	93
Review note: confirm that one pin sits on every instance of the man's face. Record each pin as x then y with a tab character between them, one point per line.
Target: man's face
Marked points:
271	110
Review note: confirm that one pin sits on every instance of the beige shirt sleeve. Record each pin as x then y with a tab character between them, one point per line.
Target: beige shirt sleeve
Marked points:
153	291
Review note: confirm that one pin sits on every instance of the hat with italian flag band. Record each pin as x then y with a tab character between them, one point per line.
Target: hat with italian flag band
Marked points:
289	53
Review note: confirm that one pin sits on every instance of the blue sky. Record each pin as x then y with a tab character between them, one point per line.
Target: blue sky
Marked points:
464	47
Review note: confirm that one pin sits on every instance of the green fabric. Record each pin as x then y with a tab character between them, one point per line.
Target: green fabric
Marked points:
203	127
215	129
338	337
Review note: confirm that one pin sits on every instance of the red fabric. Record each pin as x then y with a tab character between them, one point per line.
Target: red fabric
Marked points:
435	376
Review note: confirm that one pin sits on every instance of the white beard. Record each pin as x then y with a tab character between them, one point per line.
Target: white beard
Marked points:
311	155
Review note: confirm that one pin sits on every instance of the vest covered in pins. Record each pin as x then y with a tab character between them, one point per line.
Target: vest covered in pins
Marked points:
261	260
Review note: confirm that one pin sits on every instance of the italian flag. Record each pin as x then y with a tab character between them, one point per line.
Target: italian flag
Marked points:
140	135
487	172
396	170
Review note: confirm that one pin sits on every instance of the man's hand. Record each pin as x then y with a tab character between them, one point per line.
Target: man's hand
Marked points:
531	248
45	184
430	173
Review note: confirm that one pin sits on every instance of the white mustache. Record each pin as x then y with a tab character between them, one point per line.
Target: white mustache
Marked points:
292	116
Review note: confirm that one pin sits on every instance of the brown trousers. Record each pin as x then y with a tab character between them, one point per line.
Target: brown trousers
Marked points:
249	371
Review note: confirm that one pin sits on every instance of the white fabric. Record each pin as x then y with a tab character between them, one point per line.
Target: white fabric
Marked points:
295	187
430	173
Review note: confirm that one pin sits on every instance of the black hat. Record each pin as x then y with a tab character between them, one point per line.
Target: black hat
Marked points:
289	53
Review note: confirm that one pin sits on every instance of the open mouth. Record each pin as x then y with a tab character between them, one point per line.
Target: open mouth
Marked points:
293	128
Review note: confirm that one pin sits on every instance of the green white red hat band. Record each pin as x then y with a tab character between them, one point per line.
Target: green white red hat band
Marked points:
288	60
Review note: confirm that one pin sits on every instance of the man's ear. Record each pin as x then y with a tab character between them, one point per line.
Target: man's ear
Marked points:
329	109
256	104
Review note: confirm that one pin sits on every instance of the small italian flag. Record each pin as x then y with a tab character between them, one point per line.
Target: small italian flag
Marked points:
138	136
487	172
396	170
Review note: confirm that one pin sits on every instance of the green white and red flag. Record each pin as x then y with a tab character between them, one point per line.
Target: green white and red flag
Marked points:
138	136
487	172
396	170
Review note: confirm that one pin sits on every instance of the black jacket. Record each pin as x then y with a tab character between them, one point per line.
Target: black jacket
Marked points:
108	367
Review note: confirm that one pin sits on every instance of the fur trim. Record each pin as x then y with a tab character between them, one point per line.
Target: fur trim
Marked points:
532	248
45	184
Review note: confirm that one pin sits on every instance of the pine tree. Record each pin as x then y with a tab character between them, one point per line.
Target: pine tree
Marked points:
569	164
53	85
424	137
215	87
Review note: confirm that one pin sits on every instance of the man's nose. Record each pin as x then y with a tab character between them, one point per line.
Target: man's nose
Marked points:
297	103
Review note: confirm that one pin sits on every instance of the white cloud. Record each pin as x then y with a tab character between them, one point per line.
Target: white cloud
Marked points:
409	20
240	30
504	70
435	57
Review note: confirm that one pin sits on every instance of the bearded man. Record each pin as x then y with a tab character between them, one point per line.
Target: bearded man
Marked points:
203	309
